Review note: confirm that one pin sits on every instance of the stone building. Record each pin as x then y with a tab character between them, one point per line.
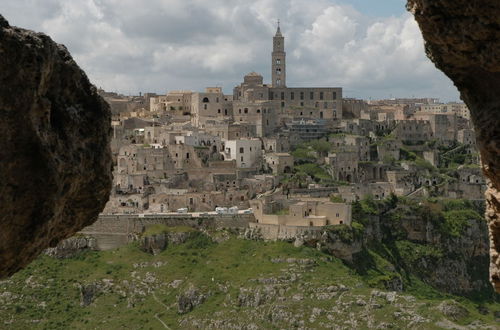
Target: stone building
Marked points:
443	125
210	105
413	131
466	136
280	163
343	165
246	152
303	213
270	106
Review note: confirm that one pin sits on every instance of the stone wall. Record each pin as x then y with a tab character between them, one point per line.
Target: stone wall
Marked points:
112	231
284	232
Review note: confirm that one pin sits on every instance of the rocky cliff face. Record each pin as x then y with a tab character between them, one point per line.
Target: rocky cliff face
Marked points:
463	39
55	161
410	242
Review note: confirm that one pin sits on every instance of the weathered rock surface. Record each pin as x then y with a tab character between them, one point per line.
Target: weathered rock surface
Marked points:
463	39
453	310
157	243
55	161
72	246
189	300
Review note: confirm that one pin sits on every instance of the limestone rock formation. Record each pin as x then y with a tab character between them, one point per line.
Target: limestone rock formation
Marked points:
70	247
157	243
55	160
462	38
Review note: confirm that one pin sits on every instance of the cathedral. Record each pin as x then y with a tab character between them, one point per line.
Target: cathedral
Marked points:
272	106
256	109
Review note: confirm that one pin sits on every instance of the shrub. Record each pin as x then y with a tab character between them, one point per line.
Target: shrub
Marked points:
457	221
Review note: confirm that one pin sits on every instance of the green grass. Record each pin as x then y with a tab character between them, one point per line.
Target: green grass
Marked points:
209	266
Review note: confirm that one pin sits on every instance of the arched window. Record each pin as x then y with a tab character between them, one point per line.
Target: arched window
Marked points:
205	100
258	110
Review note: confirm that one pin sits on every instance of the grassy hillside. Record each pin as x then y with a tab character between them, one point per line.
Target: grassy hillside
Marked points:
233	284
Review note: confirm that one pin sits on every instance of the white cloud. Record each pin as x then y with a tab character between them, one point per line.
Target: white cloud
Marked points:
129	47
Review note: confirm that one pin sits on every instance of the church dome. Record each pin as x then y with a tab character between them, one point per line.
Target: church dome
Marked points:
253	78
253	74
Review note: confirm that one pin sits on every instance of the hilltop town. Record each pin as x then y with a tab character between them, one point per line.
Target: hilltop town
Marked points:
286	159
382	200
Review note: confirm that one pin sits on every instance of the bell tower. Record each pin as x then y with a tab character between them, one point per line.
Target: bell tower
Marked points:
278	66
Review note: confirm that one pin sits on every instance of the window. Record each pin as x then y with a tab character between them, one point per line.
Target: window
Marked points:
282	104
278	61
241	158
292	95
282	95
301	95
334	95
278	82
217	100
205	106
258	110
187	155
218	110
325	105
242	150
311	95
246	110
321	95
239	110
301	104
316	104
205	100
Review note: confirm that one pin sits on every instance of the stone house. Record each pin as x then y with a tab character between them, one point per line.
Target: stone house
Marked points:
377	190
280	163
343	165
304	213
246	152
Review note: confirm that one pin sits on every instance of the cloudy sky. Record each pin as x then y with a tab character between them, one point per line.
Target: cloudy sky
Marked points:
371	48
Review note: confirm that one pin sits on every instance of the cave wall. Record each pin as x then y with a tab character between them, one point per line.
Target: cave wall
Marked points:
462	38
55	159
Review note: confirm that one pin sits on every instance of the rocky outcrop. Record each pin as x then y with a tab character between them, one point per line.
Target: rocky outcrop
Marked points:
55	168
72	246
453	310
463	39
157	243
189	300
